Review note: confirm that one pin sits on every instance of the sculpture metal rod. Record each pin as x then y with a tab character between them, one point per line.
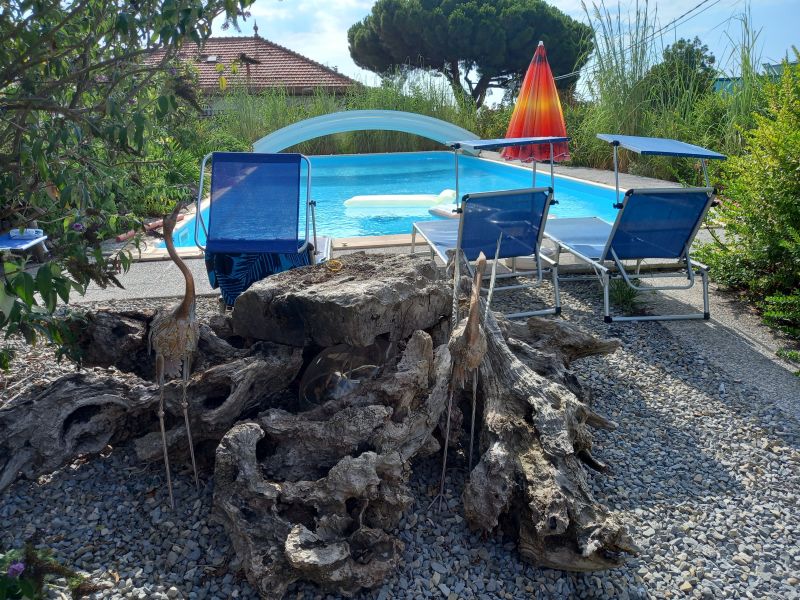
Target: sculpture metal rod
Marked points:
187	367
440	495
472	420
160	377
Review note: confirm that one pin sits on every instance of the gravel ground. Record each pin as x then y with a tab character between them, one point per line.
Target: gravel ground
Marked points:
705	469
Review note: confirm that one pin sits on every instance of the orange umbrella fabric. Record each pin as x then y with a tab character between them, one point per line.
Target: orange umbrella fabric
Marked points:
537	114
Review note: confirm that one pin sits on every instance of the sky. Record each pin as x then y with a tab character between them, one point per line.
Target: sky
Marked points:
318	28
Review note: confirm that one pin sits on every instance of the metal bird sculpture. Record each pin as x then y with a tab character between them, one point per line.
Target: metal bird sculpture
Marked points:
173	336
467	348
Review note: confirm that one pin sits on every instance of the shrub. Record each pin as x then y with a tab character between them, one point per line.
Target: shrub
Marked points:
493	122
760	252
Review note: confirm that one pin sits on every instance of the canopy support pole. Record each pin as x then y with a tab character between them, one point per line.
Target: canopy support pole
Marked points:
616	174
455	152
705	171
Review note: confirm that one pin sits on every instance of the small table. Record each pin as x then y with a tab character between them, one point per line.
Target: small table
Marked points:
9	243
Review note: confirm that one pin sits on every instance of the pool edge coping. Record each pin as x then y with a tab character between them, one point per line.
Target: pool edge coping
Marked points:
152	253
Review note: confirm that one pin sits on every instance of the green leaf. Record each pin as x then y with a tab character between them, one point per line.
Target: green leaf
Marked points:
44	283
6	302
6	355
63	287
12	267
27	589
23	286
122	22
41	164
163	105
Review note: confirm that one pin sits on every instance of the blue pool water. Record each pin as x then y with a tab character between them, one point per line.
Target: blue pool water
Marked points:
334	179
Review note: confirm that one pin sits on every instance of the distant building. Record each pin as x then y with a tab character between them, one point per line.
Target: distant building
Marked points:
726	84
773	71
255	64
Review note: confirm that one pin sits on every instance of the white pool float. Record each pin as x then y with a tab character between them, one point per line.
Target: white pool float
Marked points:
369	212
387	200
447	212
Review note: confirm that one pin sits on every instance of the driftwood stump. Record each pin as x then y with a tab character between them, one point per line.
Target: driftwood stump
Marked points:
314	397
312	495
84	412
535	438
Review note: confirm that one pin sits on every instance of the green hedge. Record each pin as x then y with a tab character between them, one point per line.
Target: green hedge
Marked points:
760	211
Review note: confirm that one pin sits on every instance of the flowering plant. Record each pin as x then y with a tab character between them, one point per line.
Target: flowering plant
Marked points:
14	585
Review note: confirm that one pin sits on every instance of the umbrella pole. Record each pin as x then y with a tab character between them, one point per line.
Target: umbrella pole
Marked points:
533	168
552	169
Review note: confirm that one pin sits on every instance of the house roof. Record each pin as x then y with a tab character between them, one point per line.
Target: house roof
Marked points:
260	65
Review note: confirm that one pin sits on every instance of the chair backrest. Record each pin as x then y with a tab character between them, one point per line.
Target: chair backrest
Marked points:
255	202
658	223
519	215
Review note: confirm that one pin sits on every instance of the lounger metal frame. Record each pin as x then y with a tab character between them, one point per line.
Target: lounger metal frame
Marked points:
605	273
310	207
551	266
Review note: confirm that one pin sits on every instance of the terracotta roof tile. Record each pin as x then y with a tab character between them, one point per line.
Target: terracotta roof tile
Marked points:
261	65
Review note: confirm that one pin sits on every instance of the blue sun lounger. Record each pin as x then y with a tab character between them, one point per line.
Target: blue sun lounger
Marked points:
505	224
254	219
658	223
19	244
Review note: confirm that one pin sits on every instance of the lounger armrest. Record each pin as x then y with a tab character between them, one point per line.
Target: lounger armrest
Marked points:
546	259
699	265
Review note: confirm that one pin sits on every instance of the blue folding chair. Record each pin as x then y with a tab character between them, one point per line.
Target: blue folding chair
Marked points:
651	224
505	224
254	219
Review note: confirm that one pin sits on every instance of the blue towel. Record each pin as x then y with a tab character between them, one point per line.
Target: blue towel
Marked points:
233	273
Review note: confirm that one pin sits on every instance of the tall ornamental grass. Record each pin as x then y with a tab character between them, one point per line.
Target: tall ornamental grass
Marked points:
617	97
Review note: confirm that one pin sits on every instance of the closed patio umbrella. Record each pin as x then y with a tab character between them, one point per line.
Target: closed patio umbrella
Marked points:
537	113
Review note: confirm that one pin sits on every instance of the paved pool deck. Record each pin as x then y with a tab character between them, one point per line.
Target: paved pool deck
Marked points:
735	339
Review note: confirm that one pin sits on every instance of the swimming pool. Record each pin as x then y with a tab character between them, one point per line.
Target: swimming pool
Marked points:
334	179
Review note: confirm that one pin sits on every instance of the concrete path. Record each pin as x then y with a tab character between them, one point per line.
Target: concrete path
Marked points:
152	279
735	341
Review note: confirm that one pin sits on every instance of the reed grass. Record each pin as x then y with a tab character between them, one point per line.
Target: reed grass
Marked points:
627	95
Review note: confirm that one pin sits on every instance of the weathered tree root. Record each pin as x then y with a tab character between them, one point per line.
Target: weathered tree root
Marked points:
535	437
310	491
78	414
311	495
83	412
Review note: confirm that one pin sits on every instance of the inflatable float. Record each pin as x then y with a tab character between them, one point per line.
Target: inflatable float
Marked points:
446	212
400	200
